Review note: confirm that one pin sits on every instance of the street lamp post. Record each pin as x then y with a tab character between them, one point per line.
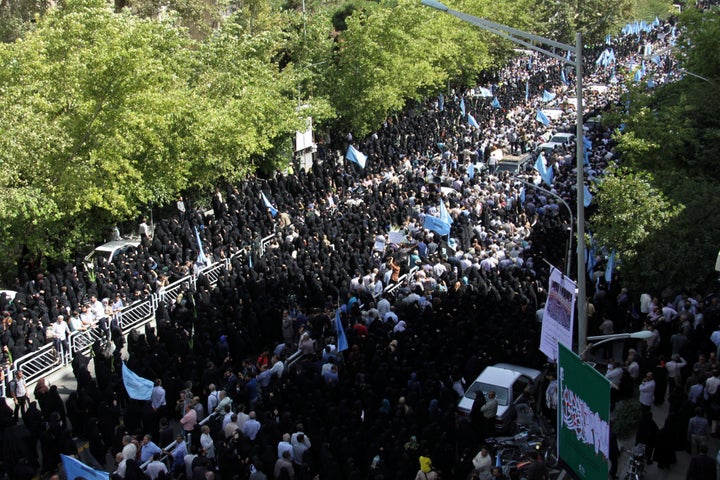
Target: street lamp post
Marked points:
538	44
600	339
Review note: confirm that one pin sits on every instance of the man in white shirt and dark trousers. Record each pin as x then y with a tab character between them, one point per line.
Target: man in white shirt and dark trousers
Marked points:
18	390
61	332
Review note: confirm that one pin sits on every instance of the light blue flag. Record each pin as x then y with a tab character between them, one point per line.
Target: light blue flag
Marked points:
436	225
441	102
563	77
656	59
74	469
495	103
610	267
655	23
471	171
273	210
638	75
601	59
545	173
356	156
485	92
527	90
608	39
342	343
250	261
462	106
444	214
138	388
587	146
522	195
587	196
590	260
540	117
651	83
548	96
472	122
201	258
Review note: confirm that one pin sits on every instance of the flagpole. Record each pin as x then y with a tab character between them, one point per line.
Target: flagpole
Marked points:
580	194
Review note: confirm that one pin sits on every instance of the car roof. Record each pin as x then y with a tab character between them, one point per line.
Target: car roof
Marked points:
527	371
115	244
502	377
10	294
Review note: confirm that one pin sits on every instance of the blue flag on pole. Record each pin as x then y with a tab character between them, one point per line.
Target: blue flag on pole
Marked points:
610	267
471	171
545	173
548	96
563	77
356	156
201	258
436	225
587	196
138	388
522	195
495	103
74	468
342	344
441	102
587	146
472	122
590	260
462	106
540	117
527	90
444	214
273	210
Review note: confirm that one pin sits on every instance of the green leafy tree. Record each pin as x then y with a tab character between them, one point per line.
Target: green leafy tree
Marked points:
90	104
654	210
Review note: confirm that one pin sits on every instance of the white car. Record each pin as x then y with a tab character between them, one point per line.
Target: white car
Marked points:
508	382
107	252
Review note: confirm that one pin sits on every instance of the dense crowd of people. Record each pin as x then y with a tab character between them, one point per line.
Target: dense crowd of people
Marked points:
383	407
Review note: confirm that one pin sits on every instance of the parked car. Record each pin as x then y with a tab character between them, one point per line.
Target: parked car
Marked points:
107	252
508	382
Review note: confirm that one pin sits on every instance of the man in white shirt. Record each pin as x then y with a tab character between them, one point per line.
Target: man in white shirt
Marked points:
213	398
285	446
674	368
156	467
60	333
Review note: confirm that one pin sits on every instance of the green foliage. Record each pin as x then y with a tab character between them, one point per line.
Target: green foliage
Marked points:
653	211
649	9
16	17
593	18
631	209
627	418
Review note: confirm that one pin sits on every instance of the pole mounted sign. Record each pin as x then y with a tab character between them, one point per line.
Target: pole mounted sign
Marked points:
583	417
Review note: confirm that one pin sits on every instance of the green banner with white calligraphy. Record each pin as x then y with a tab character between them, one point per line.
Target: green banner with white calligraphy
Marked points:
583	416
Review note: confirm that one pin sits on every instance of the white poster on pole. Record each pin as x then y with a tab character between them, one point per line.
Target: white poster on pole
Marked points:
557	325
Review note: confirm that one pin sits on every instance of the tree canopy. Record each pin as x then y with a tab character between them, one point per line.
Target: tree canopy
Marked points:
106	110
654	210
